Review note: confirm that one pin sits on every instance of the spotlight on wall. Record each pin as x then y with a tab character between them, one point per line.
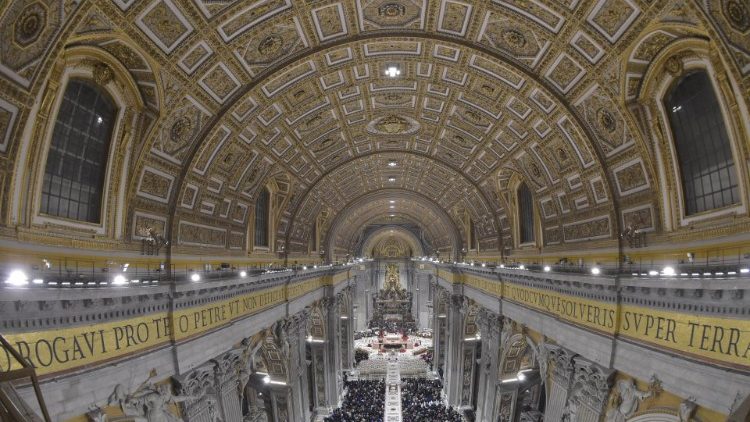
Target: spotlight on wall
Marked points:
596	271
17	278
668	271
195	277
119	280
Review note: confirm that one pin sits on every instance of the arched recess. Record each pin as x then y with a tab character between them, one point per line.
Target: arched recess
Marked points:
316	324
519	367
410	215
675	60
471	327
274	357
392	231
369	172
100	68
515	356
364	200
515	208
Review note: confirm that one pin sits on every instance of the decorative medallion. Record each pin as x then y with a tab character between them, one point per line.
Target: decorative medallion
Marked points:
377	14
271	45
391	10
30	24
102	74
181	129
28	28
473	116
514	38
535	171
606	120
393	125
274	40
737	14
673	66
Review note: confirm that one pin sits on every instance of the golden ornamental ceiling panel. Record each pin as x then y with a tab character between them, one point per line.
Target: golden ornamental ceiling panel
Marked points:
242	91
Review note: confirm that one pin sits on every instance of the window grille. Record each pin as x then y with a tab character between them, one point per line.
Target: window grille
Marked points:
526	213
704	155
73	184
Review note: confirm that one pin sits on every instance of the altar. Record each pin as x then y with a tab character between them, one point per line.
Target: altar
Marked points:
392	305
395	341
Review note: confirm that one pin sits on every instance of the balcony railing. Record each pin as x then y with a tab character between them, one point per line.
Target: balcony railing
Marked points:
12	407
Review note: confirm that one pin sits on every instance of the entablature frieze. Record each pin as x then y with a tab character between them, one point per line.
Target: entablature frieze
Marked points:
709	297
705	321
72	328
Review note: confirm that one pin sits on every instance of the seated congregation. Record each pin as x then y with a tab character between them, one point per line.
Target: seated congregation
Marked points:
421	401
364	401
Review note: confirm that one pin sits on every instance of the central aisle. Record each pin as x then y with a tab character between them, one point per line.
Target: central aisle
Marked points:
393	390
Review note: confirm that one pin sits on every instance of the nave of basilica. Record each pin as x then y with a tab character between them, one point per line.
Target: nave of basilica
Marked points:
374	210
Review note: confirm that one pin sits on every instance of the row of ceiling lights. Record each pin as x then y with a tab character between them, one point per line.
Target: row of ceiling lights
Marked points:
666	271
18	278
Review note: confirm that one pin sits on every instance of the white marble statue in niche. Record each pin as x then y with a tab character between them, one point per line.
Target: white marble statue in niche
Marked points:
149	402
628	397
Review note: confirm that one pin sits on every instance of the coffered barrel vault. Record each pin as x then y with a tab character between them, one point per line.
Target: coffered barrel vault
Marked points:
294	94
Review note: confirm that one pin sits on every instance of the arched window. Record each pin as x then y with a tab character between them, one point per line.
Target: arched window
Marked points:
314	236
704	155
525	214
472	234
73	183
261	218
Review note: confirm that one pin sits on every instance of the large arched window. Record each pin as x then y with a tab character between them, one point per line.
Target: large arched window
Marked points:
525	214
314	236
262	218
73	183
704	154
472	234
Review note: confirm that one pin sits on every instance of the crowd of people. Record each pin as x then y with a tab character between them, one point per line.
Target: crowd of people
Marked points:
360	355
364	401
421	402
